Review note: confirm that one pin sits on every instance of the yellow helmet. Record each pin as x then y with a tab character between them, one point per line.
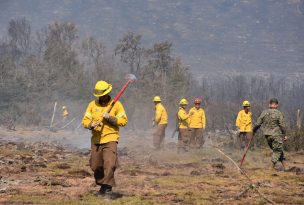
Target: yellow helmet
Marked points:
64	107
246	103
183	102
156	99
102	88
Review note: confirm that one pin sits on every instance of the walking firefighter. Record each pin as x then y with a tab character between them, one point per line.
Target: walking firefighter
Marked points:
103	117
274	129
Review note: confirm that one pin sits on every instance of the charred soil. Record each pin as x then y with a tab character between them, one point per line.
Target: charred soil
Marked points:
48	172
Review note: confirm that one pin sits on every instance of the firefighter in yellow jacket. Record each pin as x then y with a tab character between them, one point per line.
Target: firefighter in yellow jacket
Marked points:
197	124
244	124
105	135
161	120
65	112
183	122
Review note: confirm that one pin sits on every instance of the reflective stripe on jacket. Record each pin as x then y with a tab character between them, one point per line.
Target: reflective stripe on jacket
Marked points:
197	118
109	133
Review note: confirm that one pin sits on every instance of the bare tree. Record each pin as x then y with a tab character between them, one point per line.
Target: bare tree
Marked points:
19	31
130	51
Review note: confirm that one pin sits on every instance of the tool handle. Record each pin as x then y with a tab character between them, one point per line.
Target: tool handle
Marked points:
115	100
247	148
121	92
118	96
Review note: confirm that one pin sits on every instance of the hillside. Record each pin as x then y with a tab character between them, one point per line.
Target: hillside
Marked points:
209	35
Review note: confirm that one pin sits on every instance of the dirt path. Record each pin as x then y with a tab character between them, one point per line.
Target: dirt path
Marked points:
36	167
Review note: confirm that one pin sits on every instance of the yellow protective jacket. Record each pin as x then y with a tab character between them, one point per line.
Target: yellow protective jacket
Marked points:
183	118
161	116
197	118
109	133
65	113
244	122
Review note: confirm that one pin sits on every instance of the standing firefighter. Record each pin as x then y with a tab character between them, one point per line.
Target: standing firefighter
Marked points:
197	124
183	122
274	129
105	135
161	120
65	112
244	124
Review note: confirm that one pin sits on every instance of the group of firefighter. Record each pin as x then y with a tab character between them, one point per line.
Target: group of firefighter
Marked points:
104	116
190	124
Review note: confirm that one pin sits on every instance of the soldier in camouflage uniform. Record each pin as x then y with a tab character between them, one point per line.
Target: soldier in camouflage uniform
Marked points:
274	129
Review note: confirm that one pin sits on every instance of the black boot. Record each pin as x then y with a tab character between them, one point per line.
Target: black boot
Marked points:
104	189
109	195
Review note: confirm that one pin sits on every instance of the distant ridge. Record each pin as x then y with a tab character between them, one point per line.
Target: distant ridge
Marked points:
223	35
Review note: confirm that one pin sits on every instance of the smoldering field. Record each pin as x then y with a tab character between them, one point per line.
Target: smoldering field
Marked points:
42	167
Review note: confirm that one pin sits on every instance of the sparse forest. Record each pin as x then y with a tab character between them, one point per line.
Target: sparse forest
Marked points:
56	64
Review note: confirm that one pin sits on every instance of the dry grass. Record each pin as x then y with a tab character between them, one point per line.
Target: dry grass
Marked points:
147	177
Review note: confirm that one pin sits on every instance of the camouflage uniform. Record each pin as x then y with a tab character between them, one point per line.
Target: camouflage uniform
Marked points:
274	127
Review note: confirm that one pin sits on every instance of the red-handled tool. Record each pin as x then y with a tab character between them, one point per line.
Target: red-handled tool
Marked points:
247	148
131	78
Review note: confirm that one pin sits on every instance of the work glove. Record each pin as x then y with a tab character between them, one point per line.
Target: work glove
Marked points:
111	119
94	125
106	115
255	129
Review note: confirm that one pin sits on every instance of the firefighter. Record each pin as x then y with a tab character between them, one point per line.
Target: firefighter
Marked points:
183	126
65	112
105	136
197	124
160	120
244	124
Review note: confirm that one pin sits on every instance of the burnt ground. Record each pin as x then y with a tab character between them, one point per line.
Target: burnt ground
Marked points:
41	167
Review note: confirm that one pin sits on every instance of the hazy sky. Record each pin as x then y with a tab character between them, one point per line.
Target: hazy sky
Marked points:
209	35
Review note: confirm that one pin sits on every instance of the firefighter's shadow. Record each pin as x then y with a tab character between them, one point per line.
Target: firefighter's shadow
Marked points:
116	195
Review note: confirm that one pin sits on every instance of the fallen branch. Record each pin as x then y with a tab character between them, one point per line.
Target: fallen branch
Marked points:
242	171
78	125
68	123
